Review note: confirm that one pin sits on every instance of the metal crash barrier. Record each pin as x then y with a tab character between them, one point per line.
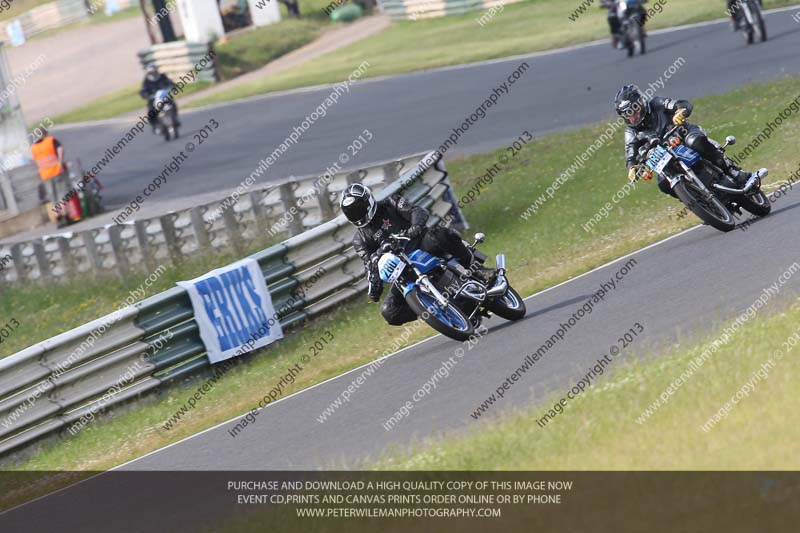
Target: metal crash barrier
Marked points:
137	349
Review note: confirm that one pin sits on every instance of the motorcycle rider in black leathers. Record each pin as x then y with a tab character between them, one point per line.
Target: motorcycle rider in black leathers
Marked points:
736	13
654	118
615	24
153	82
377	220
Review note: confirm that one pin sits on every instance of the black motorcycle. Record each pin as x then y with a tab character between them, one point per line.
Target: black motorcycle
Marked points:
703	187
748	16
443	293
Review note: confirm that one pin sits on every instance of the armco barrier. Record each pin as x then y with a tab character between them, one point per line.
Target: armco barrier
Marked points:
418	9
111	250
178	58
51	385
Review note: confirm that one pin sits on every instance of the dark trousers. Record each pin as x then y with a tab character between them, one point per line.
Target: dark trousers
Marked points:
613	23
439	241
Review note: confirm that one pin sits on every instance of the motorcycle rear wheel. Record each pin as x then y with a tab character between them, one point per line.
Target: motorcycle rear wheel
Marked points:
450	321
713	213
511	306
637	39
757	204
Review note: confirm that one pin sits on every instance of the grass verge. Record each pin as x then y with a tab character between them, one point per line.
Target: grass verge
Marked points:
544	249
601	429
521	28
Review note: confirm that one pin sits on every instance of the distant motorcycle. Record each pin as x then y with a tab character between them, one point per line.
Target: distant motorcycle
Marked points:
167	117
748	16
703	187
632	16
445	294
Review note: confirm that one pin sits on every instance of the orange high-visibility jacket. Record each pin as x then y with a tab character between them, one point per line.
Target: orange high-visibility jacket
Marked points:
46	157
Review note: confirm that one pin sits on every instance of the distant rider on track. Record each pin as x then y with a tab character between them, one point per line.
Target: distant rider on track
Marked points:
735	13
377	220
153	82
615	24
654	118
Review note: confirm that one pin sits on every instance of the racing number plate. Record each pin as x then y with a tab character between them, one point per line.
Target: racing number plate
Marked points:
665	159
658	158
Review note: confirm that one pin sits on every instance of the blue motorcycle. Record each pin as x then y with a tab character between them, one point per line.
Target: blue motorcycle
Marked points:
702	186
443	293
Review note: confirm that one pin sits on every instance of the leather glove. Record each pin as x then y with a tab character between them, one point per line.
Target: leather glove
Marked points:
679	118
632	173
375	283
414	231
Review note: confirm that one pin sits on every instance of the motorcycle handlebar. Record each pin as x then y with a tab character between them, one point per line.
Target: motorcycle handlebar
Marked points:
393	239
653	140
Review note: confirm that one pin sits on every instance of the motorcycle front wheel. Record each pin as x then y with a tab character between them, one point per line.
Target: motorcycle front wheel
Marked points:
713	212
173	125
760	25
450	321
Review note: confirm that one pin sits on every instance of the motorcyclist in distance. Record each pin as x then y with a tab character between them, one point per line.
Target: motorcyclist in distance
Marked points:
153	82
376	221
735	13
614	22
654	118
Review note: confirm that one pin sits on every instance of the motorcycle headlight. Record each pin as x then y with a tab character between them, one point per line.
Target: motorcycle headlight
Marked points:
390	267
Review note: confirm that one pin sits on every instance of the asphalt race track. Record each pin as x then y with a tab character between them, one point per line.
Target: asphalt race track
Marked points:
416	112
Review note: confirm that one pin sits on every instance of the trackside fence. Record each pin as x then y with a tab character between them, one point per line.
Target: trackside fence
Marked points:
284	208
419	9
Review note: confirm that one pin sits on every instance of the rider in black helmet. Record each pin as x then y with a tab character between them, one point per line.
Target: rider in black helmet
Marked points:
654	117
377	220
153	82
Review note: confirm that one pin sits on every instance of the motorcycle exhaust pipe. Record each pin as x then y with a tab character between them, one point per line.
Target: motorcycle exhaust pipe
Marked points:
754	181
501	284
500	260
728	190
473	291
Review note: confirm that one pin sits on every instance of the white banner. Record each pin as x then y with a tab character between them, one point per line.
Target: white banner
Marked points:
233	309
